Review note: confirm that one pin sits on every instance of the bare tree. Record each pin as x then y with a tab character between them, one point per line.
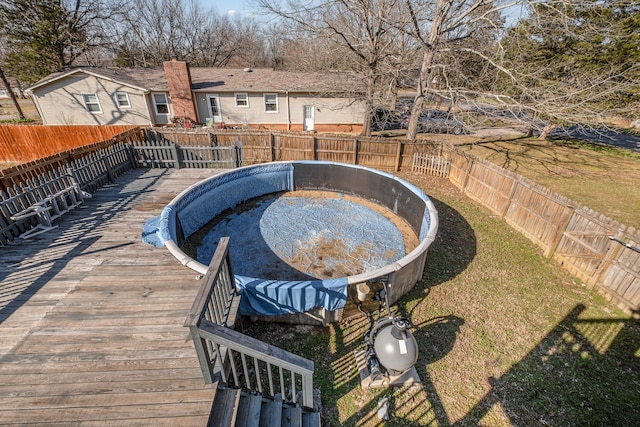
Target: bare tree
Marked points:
548	66
359	27
152	31
448	27
43	35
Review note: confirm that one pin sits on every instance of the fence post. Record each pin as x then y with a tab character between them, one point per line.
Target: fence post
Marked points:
398	156
466	175
234	156
314	147
238	152
174	154
272	147
206	367
307	390
105	160
130	155
355	151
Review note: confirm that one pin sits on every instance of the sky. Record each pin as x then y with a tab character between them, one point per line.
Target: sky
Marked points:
230	7
244	7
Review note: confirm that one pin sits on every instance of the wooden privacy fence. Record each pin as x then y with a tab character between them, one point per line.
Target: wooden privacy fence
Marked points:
238	360
574	235
26	143
577	237
103	149
264	146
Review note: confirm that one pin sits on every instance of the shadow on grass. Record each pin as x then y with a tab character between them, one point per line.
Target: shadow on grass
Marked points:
453	248
585	372
436	338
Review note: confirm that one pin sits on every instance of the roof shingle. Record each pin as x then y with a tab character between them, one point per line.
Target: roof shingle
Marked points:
229	80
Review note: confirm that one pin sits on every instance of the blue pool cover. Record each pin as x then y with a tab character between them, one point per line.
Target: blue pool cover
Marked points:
305	238
312	242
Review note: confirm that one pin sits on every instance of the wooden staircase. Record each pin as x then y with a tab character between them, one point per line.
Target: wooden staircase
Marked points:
235	408
244	369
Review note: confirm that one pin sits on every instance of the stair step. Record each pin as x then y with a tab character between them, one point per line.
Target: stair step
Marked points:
292	417
224	408
310	419
271	413
249	410
234	408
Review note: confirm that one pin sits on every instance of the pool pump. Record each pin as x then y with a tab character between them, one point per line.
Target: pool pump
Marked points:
390	348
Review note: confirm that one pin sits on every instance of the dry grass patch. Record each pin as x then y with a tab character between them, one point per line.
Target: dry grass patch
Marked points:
603	178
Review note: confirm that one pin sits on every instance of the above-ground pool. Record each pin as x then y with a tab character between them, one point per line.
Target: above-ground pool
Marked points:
302	234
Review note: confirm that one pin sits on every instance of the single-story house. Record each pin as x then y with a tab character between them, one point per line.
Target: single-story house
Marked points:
244	98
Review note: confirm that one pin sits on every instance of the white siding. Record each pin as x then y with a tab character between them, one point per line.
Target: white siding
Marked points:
61	102
327	110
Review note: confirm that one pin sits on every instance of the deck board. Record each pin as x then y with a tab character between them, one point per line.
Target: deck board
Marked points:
91	318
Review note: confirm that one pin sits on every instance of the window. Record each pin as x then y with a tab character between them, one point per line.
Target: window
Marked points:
214	108
271	102
122	99
91	103
161	103
242	100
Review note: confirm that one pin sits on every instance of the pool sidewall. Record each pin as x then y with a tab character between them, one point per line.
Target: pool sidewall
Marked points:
202	202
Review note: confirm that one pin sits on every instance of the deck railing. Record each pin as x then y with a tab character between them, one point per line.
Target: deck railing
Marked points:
238	360
155	151
28	206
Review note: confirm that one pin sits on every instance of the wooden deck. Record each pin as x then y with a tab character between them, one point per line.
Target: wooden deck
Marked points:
91	319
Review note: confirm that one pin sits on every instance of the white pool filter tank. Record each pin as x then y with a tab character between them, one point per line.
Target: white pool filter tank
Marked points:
395	347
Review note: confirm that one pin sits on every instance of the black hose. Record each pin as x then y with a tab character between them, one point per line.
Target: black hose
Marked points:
625	244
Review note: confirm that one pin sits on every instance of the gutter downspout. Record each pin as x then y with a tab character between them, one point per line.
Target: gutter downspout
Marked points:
147	95
288	111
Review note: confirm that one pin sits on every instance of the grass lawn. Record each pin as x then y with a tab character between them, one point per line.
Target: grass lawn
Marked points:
602	178
9	114
506	337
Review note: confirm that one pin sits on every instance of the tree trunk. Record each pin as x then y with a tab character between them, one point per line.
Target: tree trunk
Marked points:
12	95
368	104
421	91
546	131
425	69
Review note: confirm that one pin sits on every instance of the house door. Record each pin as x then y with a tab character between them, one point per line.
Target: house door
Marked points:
308	117
213	102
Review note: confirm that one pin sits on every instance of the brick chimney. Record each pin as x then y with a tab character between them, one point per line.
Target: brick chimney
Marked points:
178	79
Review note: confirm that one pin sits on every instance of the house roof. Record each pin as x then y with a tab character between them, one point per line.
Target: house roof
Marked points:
265	80
151	79
223	79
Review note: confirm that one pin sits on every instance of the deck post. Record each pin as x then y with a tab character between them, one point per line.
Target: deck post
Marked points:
203	355
307	390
